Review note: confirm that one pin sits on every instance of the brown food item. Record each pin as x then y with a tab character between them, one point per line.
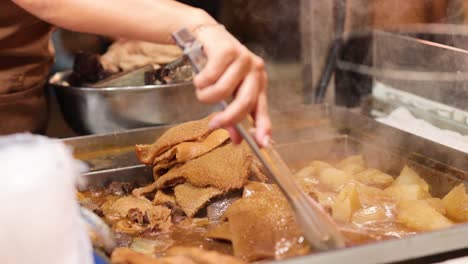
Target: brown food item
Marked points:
253	187
88	68
90	205
123	239
133	215
140	192
220	231
262	226
189	131
186	151
136	221
161	198
163	167
120	188
118	209
256	168
225	168
159	217
125	55
218	206
191	199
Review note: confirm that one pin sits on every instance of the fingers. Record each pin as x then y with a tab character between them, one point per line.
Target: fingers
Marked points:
228	82
261	116
243	104
235	136
219	58
250	98
262	121
232	70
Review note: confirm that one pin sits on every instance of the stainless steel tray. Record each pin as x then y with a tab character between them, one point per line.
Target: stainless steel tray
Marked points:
321	133
99	110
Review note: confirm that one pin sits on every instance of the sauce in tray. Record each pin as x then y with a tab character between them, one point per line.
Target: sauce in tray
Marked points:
190	232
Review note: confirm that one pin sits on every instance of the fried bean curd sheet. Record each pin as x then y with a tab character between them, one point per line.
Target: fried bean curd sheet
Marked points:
162	198
176	255
225	168
221	231
262	226
161	168
140	192
191	199
186	151
189	131
257	170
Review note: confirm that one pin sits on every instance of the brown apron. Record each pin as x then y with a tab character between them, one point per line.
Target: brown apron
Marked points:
25	60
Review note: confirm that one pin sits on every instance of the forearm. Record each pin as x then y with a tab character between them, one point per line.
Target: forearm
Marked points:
149	20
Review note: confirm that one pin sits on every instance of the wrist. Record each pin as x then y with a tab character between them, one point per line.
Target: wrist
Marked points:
198	30
201	20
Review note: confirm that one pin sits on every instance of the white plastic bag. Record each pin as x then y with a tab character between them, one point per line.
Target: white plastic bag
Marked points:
40	221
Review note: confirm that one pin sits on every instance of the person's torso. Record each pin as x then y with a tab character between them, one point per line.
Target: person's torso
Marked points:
25	60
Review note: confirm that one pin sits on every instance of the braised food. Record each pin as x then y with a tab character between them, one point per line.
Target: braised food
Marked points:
211	203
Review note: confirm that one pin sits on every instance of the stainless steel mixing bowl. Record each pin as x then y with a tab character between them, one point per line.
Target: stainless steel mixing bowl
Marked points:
111	109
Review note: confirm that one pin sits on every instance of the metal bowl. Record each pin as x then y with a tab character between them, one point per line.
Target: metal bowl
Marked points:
106	110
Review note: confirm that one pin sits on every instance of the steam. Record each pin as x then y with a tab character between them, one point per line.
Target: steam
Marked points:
395	58
403	50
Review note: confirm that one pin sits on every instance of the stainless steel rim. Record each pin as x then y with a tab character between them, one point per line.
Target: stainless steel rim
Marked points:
61	76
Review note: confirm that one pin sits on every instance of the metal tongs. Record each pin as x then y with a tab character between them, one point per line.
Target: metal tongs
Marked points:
318	227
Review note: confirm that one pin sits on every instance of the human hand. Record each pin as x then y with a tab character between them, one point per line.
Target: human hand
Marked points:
233	70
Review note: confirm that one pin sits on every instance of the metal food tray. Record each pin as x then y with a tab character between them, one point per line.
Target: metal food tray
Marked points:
327	133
